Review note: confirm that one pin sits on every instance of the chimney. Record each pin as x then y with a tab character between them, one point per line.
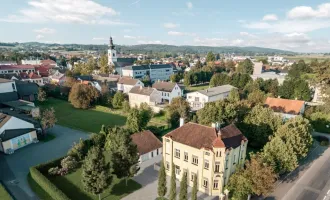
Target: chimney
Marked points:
38	72
181	121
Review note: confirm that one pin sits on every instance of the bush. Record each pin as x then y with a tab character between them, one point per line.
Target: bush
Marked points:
98	139
63	172
46	185
79	150
53	171
325	143
69	163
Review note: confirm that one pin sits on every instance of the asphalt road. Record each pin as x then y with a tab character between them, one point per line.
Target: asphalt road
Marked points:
15	168
314	184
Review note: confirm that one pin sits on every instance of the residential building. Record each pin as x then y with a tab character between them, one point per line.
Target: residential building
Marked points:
198	99
8	63
31	62
27	91
57	78
257	68
8	90
148	145
7	69
270	75
15	133
138	95
169	90
125	84
287	108
212	154
318	95
32	78
157	72
49	63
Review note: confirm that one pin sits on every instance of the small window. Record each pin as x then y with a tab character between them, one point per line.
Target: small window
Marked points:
192	176
177	153
177	170
195	160
13	85
206	164
234	159
207	153
113	54
186	156
152	154
217	167
157	151
167	140
167	166
196	98
215	184
205	182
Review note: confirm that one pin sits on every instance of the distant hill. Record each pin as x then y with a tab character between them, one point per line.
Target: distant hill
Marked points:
154	48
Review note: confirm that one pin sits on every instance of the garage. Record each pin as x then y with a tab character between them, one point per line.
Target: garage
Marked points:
12	140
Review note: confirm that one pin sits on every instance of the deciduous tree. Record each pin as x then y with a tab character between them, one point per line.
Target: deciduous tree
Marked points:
118	99
245	67
210	57
103	64
48	118
82	96
42	96
179	107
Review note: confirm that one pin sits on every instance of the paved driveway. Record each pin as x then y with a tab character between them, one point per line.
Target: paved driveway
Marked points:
15	168
148	178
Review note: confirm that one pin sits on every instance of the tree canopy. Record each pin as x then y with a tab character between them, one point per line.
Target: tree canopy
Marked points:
245	67
82	96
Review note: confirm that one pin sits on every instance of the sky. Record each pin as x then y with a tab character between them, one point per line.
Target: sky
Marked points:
295	25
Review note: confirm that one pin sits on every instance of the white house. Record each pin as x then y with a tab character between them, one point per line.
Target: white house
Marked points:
287	108
15	133
198	99
139	94
169	90
7	86
125	84
8	69
57	78
32	78
156	72
148	145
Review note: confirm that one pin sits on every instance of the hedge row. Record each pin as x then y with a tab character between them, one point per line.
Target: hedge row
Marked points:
47	185
43	168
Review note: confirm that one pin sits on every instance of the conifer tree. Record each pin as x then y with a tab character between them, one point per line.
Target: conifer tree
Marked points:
173	184
184	187
194	189
162	189
95	177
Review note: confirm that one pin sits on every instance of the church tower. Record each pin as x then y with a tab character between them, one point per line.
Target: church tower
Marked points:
112	53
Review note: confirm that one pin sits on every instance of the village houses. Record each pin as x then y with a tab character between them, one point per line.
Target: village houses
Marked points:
169	90
125	84
287	108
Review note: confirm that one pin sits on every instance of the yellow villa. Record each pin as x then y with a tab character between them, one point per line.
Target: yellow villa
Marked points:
211	153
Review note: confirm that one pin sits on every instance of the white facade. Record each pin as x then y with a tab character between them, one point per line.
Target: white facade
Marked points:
8	87
13	69
150	155
15	123
135	100
198	100
125	88
156	74
169	96
112	56
31	62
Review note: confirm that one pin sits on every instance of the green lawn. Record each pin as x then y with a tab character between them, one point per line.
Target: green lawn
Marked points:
4	195
72	187
87	120
196	88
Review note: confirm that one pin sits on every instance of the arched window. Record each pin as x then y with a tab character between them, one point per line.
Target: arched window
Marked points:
113	54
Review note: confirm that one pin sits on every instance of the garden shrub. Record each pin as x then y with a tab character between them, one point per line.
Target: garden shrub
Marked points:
324	143
53	171
69	163
98	139
46	185
79	150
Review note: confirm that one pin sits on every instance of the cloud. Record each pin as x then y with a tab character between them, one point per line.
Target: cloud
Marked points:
176	33
45	31
99	39
270	17
171	25
135	2
247	34
306	12
65	11
133	37
289	26
189	5
127	30
218	42
150	42
38	37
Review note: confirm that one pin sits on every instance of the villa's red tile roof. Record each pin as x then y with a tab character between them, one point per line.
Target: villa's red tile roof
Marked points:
285	105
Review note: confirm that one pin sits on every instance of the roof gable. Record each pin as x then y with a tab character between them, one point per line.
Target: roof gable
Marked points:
164	86
146	142
287	106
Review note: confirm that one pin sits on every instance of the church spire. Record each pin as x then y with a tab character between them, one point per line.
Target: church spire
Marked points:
112	46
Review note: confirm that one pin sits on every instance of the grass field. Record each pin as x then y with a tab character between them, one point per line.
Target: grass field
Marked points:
196	88
71	185
87	120
4	195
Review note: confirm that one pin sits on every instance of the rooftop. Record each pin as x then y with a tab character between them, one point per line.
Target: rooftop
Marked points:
17	67
127	81
287	106
164	86
200	136
4	119
147	91
2	80
146	142
217	90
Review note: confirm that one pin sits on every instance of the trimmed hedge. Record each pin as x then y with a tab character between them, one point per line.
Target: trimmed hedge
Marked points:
48	186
